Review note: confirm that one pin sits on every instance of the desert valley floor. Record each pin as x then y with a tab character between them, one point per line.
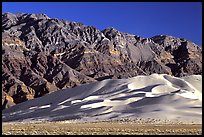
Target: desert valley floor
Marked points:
100	128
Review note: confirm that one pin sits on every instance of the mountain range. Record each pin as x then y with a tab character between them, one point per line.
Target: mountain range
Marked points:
41	55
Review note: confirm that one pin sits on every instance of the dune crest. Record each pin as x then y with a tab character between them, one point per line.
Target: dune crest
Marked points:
158	96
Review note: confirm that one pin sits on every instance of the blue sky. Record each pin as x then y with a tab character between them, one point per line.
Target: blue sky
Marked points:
146	19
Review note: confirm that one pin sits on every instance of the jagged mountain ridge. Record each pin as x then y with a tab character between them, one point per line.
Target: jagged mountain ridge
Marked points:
41	55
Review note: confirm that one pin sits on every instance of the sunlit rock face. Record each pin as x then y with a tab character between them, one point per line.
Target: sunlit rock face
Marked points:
42	55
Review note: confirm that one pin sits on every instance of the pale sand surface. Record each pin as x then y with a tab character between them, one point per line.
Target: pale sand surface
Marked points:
158	97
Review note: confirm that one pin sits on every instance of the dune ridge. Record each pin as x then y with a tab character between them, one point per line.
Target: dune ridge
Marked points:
157	96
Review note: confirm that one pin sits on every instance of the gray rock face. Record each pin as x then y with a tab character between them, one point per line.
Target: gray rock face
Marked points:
42	55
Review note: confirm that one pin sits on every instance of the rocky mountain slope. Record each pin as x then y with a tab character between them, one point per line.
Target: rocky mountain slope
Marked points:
41	55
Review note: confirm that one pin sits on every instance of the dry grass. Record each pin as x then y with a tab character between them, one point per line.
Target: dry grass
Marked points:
100	128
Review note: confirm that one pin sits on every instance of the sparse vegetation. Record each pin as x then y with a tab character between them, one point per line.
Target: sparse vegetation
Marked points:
100	128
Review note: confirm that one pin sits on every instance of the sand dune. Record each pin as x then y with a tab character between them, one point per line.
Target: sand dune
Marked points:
158	96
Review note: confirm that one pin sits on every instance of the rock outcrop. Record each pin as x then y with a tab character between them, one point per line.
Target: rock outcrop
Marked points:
41	55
